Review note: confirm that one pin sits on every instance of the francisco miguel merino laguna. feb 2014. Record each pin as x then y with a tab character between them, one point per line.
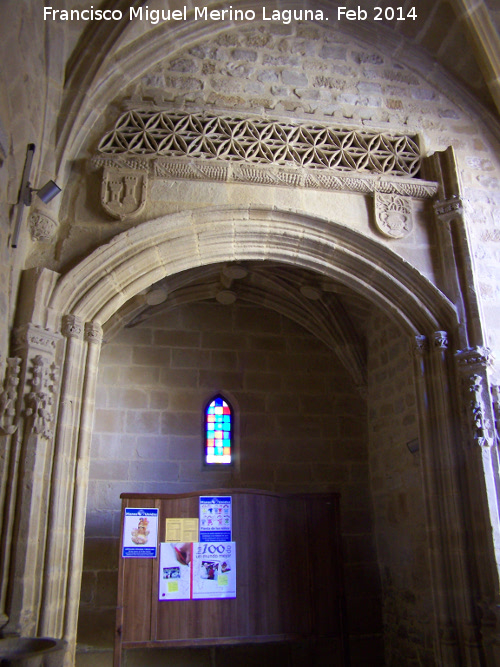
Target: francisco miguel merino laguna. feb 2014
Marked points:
285	16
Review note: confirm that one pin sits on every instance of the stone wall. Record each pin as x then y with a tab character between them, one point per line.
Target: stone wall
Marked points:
22	84
322	74
398	499
300	425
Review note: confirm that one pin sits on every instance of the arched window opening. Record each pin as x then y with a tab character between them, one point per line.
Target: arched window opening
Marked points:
218	432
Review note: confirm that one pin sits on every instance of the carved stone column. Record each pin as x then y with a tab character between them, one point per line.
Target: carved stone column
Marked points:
9	462
457	624
458	277
62	490
482	465
93	340
24	539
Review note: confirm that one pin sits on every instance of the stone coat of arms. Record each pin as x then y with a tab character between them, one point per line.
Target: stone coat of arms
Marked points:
123	193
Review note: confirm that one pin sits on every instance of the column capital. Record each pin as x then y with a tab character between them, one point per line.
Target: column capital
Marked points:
72	326
93	332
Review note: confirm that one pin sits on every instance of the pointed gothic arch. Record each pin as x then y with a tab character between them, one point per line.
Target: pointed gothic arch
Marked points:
68	333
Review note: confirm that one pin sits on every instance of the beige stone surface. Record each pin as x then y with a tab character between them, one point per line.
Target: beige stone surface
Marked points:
421	531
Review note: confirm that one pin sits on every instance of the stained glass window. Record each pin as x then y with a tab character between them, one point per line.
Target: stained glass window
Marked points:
218	431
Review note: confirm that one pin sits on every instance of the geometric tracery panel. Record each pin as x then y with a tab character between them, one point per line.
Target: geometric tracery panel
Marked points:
178	134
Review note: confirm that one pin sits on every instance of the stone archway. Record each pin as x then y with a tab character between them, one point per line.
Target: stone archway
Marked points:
66	334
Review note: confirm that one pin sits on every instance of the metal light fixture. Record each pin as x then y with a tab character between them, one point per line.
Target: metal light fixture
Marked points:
46	193
413	446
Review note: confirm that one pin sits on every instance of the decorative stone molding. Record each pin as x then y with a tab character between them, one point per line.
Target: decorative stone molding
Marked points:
165	169
36	339
42	228
123	193
474	356
393	215
72	326
9	395
449	208
196	146
481	425
93	332
40	400
495	395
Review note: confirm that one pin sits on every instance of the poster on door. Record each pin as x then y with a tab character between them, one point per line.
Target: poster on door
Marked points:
197	571
214	570
175	577
140	532
215	519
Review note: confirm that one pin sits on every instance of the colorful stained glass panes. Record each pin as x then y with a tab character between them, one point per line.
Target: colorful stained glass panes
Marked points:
218	432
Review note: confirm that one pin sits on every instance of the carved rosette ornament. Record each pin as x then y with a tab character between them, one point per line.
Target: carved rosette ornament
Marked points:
8	397
393	215
123	193
42	228
40	400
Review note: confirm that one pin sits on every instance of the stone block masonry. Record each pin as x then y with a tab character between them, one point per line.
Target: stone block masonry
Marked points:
300	426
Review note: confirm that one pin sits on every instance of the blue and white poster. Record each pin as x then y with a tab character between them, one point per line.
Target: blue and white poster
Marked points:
140	532
215	519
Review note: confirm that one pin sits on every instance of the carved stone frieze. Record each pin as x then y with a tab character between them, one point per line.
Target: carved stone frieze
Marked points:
40	401
9	396
159	144
393	215
42	228
123	193
474	356
30	337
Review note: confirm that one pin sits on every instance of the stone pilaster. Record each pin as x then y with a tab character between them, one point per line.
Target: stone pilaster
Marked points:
483	475
30	453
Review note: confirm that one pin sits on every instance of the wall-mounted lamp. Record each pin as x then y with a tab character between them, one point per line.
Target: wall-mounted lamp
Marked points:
46	193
